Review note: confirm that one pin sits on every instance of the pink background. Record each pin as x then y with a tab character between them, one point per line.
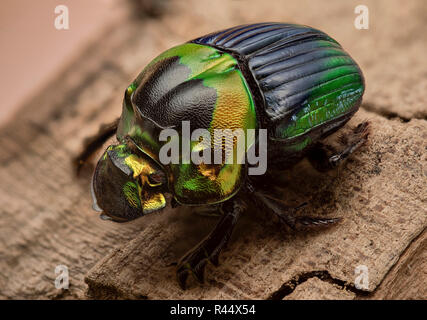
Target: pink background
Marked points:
33	50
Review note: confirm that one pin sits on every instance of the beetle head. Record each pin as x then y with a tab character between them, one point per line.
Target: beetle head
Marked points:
126	185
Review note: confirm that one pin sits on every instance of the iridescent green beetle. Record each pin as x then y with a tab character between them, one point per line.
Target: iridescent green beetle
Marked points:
294	81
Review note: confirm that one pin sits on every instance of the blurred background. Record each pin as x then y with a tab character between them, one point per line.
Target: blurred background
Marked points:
33	50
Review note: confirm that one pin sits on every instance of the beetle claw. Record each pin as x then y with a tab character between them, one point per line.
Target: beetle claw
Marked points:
193	262
214	259
316	222
197	270
199	273
182	276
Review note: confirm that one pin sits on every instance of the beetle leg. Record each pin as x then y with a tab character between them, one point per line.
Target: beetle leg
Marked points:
287	215
92	144
307	221
210	247
319	158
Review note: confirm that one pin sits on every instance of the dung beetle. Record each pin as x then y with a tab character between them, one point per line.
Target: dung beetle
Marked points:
292	81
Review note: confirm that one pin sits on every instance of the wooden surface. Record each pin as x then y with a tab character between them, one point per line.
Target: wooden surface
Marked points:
381	193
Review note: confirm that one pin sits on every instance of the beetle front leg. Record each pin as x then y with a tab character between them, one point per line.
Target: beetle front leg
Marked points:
93	143
209	248
322	162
